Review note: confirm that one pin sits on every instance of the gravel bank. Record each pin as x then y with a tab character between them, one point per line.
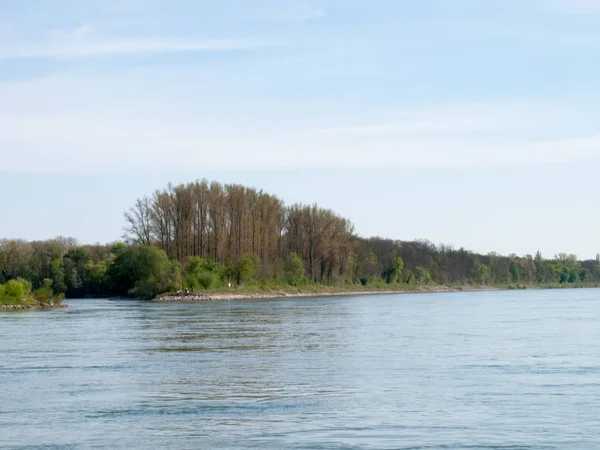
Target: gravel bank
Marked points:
29	308
228	296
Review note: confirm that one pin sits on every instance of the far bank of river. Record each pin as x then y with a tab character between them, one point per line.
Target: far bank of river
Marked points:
323	292
245	294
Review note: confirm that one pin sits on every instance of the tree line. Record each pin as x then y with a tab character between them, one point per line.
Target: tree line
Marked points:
205	235
224	223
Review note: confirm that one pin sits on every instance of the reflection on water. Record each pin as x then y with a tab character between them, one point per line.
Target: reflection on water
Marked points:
507	370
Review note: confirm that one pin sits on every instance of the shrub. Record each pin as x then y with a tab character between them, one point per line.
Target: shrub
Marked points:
150	287
43	295
206	280
410	278
245	269
17	289
294	270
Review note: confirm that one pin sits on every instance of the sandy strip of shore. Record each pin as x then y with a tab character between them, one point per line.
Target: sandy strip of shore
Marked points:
228	296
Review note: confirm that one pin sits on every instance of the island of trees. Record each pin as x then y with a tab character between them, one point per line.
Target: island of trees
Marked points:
206	236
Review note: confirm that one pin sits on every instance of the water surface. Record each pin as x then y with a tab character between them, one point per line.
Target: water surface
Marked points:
485	370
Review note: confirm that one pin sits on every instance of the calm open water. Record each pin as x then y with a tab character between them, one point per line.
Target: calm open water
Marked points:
499	370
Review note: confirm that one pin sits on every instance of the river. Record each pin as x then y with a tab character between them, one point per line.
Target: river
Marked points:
473	370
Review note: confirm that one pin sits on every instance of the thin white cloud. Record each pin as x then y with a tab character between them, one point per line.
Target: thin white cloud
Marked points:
449	120
185	119
418	126
64	125
95	143
492	121
128	46
80	42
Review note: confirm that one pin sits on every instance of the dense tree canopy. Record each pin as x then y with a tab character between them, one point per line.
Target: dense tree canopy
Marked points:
206	235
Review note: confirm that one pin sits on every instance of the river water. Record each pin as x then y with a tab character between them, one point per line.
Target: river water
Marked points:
477	370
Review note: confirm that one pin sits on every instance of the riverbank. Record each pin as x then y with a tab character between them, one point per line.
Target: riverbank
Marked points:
30	307
319	292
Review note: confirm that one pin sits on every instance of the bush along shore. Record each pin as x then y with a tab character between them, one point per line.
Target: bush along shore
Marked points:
17	295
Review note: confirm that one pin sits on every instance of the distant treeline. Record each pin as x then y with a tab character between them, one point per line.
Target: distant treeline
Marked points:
206	235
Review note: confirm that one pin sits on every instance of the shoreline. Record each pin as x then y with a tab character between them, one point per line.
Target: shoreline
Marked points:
200	297
4	308
217	296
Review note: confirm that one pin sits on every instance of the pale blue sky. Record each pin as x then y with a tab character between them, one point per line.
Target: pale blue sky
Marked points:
469	122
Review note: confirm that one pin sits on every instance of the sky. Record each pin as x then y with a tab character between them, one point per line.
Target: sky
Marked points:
467	122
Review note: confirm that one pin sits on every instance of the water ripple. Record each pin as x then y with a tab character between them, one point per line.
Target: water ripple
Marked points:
504	371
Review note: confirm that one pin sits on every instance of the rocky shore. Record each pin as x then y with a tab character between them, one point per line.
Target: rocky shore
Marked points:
29	307
233	295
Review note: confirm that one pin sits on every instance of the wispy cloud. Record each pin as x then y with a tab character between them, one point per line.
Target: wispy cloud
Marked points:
128	46
448	120
80	42
112	130
490	122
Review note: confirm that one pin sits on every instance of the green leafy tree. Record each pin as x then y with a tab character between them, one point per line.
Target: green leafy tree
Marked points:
394	271
585	275
17	289
152	270
423	276
122	274
410	278
44	294
516	271
481	272
207	280
96	275
293	269
176	276
202	273
244	269
74	268
144	271
58	276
